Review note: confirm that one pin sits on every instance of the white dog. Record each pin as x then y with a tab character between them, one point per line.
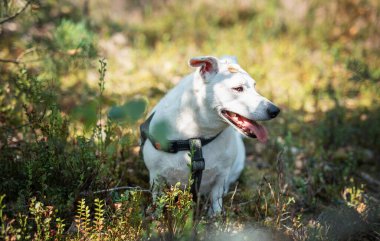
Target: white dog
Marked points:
217	98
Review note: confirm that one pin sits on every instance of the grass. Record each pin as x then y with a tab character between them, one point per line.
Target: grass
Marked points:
68	123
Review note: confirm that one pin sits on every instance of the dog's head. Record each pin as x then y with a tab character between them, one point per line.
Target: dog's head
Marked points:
231	92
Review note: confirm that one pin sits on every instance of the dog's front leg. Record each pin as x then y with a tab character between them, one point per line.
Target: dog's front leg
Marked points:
217	197
157	184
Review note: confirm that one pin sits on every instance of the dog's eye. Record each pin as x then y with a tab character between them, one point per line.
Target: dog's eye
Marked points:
238	89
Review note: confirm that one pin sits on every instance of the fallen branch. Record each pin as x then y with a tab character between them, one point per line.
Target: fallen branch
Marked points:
10	18
247	202
118	189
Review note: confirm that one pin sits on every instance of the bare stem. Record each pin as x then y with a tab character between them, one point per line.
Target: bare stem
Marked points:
13	61
10	18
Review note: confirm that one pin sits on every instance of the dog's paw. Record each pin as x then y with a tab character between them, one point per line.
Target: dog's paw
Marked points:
211	213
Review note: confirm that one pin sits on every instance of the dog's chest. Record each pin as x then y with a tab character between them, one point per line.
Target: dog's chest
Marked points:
219	157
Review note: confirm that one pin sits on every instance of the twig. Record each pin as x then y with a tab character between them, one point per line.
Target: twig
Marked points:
14	61
231	203
10	18
122	188
247	202
25	53
18	59
281	172
233	195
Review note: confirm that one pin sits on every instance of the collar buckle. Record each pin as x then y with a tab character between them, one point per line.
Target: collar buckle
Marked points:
198	164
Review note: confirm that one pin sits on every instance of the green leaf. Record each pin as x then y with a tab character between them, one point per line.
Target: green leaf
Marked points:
160	132
87	113
128	113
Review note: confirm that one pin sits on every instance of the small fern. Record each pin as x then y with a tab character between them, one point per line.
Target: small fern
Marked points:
60	226
2	217
42	216
99	217
82	218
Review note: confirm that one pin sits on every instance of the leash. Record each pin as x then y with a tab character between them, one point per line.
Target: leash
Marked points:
194	145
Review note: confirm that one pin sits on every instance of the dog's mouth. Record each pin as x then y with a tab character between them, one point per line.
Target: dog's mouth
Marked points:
249	128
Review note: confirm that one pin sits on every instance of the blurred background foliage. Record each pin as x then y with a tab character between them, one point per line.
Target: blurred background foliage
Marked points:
68	124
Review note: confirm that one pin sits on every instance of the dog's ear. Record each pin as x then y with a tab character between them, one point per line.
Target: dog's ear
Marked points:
208	65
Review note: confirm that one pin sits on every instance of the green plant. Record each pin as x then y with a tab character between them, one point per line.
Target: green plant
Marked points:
174	208
128	220
42	217
74	38
2	217
82	219
37	224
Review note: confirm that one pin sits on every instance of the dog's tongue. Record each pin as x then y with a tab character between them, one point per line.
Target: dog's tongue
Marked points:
257	129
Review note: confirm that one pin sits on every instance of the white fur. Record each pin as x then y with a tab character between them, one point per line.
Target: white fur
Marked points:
192	109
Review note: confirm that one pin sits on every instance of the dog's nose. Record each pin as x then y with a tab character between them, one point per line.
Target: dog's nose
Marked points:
273	110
